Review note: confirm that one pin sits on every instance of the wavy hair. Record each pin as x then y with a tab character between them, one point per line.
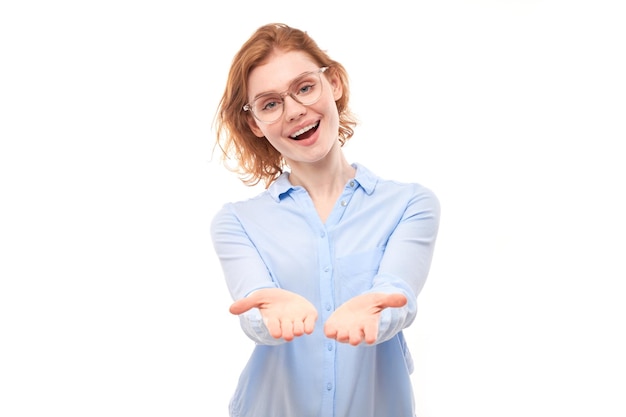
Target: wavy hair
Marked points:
255	159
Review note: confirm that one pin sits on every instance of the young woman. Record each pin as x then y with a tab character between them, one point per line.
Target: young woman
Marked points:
326	264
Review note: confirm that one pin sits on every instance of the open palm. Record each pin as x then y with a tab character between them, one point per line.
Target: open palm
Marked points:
357	319
286	314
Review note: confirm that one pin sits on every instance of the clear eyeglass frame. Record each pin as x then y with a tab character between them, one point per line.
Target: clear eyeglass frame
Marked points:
250	106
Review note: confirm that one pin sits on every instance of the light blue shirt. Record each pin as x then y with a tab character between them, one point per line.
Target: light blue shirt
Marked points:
379	237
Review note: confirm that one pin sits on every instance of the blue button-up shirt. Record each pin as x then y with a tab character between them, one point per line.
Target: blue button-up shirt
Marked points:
379	237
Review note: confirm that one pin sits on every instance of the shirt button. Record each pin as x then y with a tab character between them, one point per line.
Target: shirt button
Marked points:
329	386
327	269
330	346
327	307
323	234
343	203
351	183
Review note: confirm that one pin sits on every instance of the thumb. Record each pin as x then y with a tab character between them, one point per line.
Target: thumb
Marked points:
244	304
394	300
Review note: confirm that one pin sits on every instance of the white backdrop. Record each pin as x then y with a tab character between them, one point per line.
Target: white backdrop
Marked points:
112	302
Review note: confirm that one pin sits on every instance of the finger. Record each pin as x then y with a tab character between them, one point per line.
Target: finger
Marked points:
309	324
287	330
356	337
298	328
330	330
370	332
273	326
343	336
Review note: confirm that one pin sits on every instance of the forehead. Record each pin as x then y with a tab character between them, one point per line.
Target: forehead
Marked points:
279	71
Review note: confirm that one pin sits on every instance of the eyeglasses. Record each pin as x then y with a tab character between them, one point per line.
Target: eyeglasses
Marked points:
306	90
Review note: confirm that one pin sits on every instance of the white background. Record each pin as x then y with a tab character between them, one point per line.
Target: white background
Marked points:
112	302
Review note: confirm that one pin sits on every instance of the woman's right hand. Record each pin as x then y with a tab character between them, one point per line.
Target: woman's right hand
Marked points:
286	314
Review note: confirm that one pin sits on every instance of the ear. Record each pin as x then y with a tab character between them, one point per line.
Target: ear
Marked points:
337	86
254	127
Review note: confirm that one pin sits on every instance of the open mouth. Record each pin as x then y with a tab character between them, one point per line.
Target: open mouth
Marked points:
305	132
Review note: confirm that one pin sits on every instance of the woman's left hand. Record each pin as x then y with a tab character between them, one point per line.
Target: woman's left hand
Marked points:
356	320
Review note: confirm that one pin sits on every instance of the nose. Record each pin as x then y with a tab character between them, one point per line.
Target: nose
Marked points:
294	109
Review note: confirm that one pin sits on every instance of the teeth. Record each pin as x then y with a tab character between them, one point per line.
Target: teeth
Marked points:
304	130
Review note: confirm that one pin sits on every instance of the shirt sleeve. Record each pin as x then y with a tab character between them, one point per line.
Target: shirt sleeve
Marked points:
243	269
406	261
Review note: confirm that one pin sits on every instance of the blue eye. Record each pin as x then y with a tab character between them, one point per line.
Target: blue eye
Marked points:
306	86
268	104
306	89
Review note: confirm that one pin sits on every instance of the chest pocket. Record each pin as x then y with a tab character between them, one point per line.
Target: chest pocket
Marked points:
356	272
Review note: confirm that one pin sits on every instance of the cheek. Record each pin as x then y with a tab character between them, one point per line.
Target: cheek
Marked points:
332	114
272	133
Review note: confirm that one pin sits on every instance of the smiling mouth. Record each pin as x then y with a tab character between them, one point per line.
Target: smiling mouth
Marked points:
305	132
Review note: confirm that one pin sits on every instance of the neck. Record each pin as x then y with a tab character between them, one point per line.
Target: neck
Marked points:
325	178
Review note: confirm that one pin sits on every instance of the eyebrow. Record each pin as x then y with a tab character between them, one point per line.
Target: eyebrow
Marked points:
277	92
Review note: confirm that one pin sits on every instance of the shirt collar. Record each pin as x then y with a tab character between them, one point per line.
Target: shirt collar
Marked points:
280	186
364	177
